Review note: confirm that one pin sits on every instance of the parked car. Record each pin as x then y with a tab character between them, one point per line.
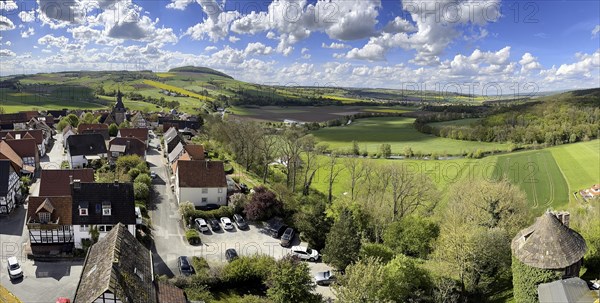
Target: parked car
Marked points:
14	269
275	227
325	278
227	224
240	222
153	174
305	253
185	268
214	224
287	237
244	188
201	225
231	254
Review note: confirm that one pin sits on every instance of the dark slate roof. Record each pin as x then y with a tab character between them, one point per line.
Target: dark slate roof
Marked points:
120	196
573	290
57	182
86	144
57	113
201	174
170	134
5	170
548	244
131	146
118	263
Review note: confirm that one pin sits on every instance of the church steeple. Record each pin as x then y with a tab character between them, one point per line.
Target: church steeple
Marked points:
119	104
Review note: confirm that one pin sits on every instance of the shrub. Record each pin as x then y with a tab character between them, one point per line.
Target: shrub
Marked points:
248	270
133	173
412	236
192	236
526	279
263	205
143	178
141	191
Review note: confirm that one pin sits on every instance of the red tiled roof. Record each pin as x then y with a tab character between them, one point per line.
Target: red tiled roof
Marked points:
37	134
62	208
140	133
56	182
201	174
195	151
167	293
6	152
88	126
24	147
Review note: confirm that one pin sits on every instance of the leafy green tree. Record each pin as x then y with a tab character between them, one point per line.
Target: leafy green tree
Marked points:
312	222
291	282
253	270
369	280
125	163
343	242
377	251
385	150
143	178
412	236
133	173
141	191
88	118
113	130
94	233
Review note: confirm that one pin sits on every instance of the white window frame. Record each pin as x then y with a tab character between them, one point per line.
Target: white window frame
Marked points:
83	211
44	215
205	190
106	212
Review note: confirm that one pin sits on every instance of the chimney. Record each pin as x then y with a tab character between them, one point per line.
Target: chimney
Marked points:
76	184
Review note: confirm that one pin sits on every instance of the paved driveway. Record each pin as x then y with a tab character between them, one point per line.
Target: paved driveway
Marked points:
54	156
170	242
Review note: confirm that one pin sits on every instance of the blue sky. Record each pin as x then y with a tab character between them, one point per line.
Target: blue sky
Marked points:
376	43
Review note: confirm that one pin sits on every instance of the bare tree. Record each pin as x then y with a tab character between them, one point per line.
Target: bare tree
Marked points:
410	190
268	148
311	153
356	169
290	151
334	170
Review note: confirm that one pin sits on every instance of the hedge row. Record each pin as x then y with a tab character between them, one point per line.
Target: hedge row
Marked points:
223	211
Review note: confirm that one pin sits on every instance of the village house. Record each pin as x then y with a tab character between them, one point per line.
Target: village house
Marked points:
125	146
66	132
102	205
171	139
138	121
27	150
118	268
38	135
200	182
57	182
9	186
49	224
94	128
139	133
83	148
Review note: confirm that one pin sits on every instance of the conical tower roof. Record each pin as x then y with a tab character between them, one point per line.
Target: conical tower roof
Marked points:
548	244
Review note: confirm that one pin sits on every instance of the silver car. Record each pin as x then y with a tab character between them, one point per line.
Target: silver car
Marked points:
325	278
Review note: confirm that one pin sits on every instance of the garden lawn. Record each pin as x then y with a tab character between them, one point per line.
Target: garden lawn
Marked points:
400	134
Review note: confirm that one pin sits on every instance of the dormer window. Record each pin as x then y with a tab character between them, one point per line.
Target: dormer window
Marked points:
106	209
83	208
44	217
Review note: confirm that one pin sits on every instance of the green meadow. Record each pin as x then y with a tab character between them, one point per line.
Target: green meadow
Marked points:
399	132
